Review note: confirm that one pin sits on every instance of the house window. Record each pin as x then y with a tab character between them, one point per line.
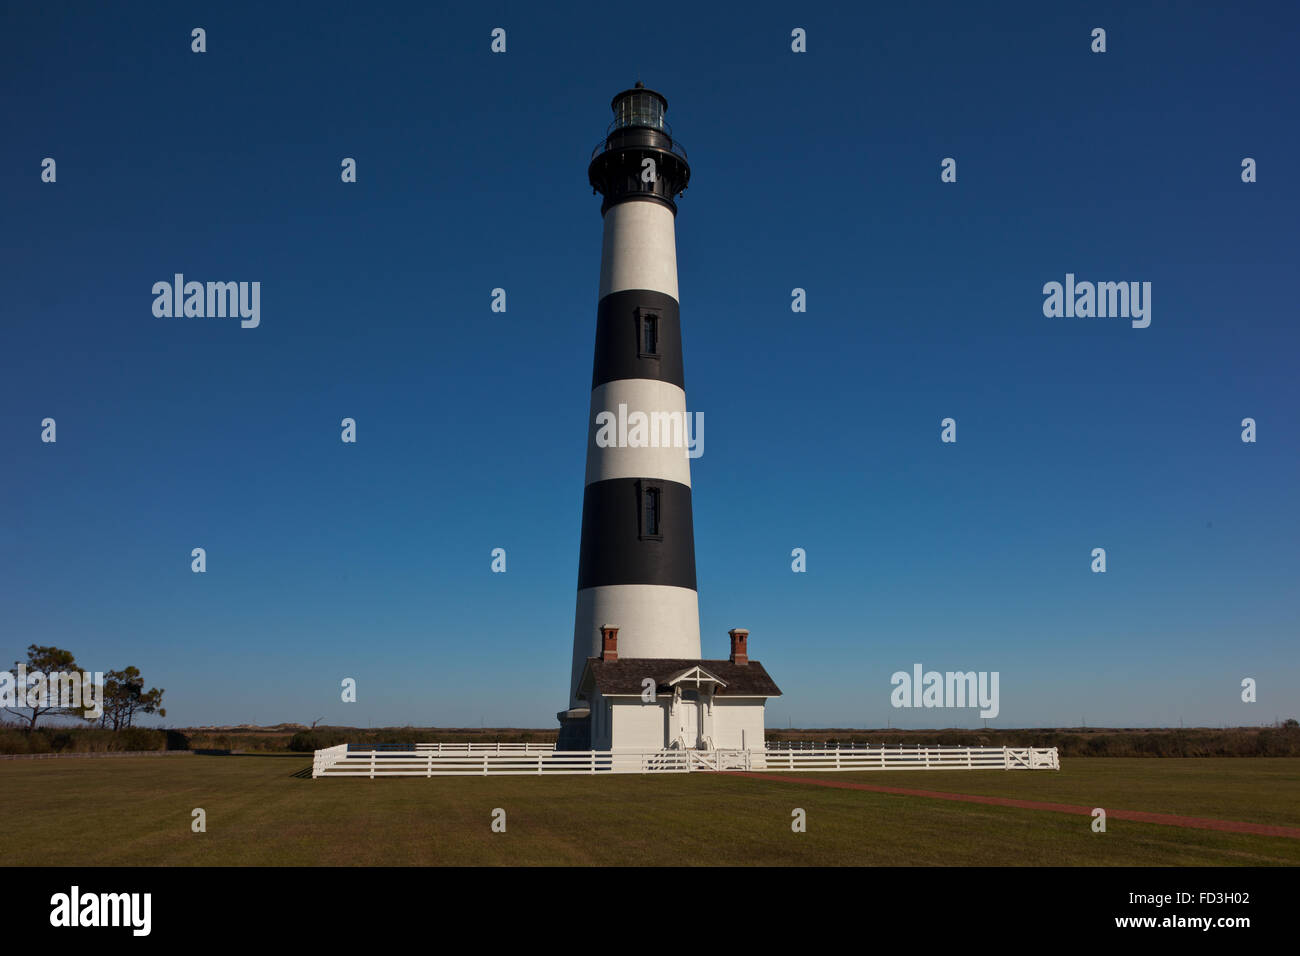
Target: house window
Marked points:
651	512
647	334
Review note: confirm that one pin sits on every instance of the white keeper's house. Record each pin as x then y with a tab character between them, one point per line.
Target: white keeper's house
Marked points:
651	704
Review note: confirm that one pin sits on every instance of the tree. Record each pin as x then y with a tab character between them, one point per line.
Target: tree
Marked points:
125	698
43	661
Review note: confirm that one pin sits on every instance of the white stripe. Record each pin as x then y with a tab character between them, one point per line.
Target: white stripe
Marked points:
647	396
639	250
653	620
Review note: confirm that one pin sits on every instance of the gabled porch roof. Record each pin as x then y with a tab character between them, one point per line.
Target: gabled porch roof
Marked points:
625	677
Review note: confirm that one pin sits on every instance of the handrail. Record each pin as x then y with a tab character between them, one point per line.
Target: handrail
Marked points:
673	147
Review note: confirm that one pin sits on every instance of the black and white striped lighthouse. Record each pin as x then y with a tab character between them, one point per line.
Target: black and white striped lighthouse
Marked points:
636	568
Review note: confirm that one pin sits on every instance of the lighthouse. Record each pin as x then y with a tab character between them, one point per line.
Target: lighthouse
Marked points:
637	609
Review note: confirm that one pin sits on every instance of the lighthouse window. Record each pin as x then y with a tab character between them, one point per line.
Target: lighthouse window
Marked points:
648	334
650	513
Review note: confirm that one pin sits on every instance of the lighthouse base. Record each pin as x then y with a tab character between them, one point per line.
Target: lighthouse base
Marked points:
575	729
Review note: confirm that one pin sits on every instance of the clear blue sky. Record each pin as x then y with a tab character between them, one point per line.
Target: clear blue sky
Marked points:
818	171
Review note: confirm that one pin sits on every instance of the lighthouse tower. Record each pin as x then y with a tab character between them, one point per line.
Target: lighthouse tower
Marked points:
636	567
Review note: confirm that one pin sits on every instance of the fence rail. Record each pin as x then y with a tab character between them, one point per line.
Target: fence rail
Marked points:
322	760
430	763
460	748
100	753
914	758
484	760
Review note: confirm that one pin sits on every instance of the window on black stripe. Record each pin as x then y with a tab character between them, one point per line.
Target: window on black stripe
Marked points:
651	515
652	511
647	334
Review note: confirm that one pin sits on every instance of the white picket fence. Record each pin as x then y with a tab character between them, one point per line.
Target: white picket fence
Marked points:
915	758
484	760
322	760
340	762
480	748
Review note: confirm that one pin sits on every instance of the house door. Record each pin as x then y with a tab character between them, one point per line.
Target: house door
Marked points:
688	719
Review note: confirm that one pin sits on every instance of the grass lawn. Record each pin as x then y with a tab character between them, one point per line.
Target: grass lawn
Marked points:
1224	788
263	810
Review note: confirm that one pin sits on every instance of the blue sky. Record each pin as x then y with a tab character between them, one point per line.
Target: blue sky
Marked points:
816	170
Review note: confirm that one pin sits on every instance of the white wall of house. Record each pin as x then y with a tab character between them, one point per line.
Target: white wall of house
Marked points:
638	725
628	723
738	723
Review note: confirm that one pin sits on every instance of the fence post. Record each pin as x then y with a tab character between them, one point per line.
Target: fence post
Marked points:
429	769
372	765
593	760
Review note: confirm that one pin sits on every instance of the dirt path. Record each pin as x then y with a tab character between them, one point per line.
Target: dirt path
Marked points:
1136	816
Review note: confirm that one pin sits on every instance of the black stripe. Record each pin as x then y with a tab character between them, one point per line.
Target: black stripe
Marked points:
618	343
613	549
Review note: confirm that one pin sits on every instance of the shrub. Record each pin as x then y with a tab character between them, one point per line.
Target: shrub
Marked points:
140	738
305	741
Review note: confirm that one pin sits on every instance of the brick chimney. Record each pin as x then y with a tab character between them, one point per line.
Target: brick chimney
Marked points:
608	643
739	645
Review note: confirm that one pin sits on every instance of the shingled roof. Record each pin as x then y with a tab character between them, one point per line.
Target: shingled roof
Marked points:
624	676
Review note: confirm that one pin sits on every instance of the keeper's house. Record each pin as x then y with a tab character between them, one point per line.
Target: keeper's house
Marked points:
651	704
